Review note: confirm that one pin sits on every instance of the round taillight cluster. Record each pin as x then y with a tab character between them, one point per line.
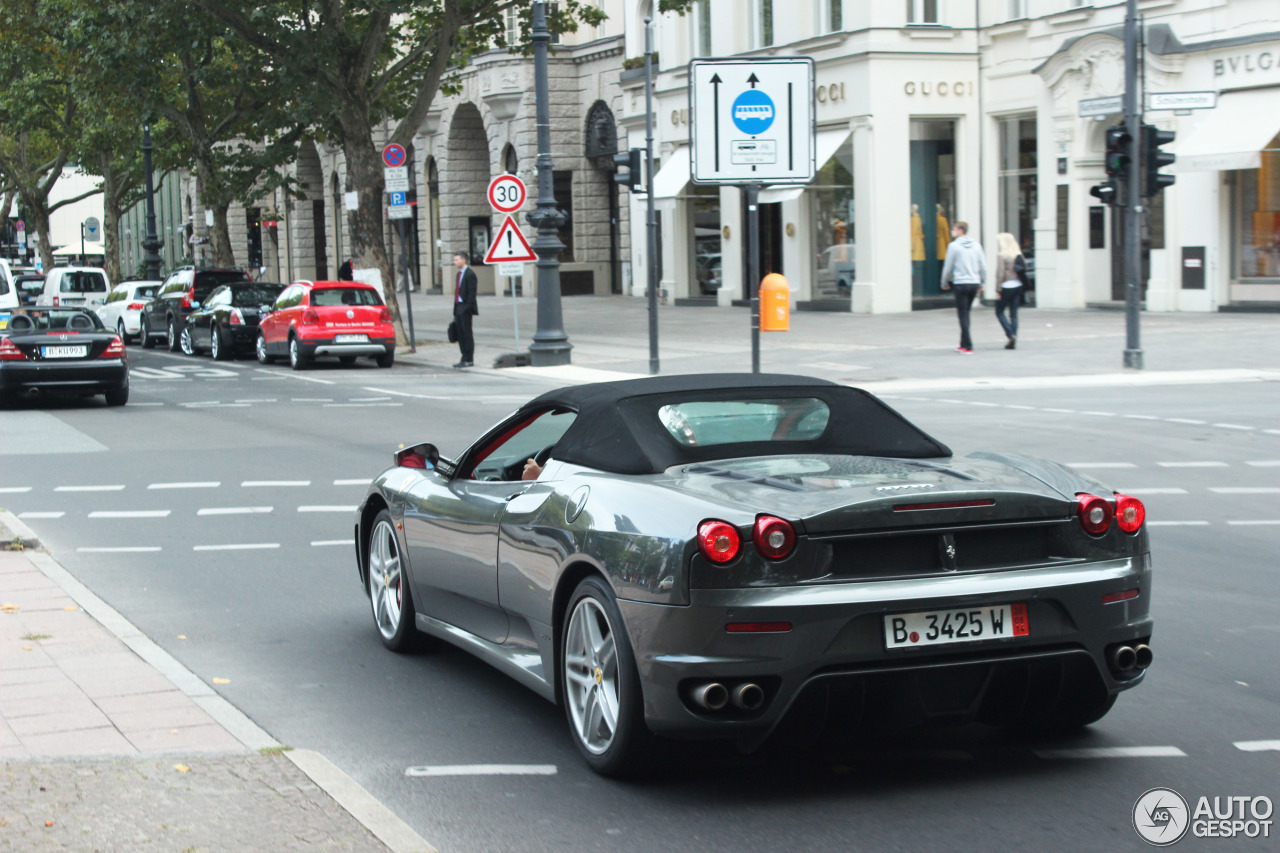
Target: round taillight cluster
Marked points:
718	541
1130	513
1095	513
773	537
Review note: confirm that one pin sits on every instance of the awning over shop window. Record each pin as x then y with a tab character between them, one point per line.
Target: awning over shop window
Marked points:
674	174
826	145
1232	135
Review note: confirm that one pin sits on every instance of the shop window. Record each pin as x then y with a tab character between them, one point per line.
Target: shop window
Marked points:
562	186
933	201
922	11
512	24
704	204
1017	180
1257	219
831	195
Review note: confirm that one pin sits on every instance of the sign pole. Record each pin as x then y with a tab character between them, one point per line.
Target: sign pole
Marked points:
1133	191
408	304
753	269
651	222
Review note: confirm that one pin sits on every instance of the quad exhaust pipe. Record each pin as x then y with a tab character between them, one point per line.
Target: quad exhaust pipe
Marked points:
1124	658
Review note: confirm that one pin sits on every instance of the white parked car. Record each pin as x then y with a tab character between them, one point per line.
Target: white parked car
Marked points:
81	287
9	299
123	309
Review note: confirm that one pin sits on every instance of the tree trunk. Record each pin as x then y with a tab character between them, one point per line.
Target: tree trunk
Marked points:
368	245
39	217
111	221
219	234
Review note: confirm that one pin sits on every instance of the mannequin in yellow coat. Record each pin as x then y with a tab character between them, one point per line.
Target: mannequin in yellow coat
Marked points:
944	234
917	234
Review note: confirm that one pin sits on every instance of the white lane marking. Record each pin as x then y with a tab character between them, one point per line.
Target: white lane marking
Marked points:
14	490
1140	492
240	547
326	509
491	398
249	484
265	378
1261	463
483	770
1113	752
1192	464
1233	426
215	405
206	484
89	489
368	399
1062	411
1100	414
258	400
1254	522
980	403
1141	417
129	513
1101	465
130	549
1272	431
1177	523
1246	490
136	405
360	405
1257	745
41	514
234	510
1025	408
311	400
351	482
323	542
295	375
1184	421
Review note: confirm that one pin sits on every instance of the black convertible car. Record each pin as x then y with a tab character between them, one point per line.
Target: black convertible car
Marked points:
63	350
696	555
227	322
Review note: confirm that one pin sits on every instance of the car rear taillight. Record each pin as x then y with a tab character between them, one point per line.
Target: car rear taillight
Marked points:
135	306
57	300
1130	513
384	316
718	541
236	318
115	349
773	537
310	317
1095	513
9	351
187	297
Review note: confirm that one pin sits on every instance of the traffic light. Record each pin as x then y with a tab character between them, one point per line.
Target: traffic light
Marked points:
1117	161
627	169
1106	193
1153	159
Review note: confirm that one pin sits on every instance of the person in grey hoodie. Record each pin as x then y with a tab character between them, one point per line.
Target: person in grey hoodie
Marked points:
964	273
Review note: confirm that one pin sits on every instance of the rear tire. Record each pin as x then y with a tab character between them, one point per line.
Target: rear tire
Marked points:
387	584
171	335
260	350
148	342
124	336
118	396
218	347
387	359
600	683
297	359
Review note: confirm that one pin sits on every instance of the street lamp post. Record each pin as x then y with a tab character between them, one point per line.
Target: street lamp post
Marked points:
150	243
550	343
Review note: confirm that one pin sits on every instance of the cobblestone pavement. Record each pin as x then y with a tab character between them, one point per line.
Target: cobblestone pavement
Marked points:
235	802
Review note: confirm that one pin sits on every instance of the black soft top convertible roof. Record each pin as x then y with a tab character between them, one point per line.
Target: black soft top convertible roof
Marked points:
618	430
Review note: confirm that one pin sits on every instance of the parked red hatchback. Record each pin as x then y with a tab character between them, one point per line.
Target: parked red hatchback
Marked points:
347	319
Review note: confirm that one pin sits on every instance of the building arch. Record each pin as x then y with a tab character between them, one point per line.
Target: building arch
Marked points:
309	243
467	217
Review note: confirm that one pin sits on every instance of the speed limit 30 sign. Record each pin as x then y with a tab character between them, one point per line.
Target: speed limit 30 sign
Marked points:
507	193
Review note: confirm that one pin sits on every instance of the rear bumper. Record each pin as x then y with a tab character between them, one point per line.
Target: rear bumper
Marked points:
328	346
85	377
837	634
244	336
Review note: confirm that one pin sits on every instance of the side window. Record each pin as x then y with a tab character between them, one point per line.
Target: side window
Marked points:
117	294
173	286
221	296
504	457
282	301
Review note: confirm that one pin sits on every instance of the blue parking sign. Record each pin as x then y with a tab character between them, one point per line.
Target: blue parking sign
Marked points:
399	198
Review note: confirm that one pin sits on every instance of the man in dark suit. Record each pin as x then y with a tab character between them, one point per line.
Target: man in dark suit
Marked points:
464	308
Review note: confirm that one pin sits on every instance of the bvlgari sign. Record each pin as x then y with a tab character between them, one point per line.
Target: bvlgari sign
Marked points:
1255	65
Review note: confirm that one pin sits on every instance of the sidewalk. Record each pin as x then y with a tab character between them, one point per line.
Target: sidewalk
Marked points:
908	351
107	743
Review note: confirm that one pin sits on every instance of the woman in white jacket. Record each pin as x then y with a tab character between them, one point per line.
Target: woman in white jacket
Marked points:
1010	271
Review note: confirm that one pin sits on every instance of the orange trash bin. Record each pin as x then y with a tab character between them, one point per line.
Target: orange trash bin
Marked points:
775	303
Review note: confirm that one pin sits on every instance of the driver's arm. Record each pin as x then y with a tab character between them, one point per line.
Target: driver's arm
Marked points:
531	470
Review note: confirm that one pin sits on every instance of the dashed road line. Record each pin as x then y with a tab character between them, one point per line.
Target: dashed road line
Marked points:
1254	522
14	490
1185	421
1192	464
205	484
1101	465
258	400
368	399
89	489
1257	745
352	482
1233	426
244	546
252	484
1137	493
41	514
1245	490
126	549
322	543
311	400
483	770
361	405
1113	752
234	510
130	513
295	375
1177	523
1265	463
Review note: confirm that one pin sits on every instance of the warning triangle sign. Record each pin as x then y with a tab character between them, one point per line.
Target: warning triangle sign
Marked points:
509	245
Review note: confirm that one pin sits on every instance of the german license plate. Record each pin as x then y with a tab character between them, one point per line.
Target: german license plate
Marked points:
350	339
940	627
66	352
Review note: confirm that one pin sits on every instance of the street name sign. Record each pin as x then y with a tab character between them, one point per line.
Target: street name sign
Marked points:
507	194
397	178
1090	107
511	269
1182	100
752	121
509	245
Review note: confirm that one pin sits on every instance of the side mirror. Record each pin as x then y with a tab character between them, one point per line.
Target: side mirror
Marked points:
424	456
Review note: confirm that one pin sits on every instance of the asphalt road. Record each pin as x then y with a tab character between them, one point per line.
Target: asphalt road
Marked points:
233	485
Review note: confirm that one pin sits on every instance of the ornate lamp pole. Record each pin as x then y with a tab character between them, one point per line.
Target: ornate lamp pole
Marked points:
150	243
550	343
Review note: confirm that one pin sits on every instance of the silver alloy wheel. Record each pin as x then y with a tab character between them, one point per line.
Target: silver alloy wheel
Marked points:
385	593
187	345
294	355
215	346
172	335
591	675
124	337
261	349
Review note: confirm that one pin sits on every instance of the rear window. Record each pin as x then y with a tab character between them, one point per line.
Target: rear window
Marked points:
207	281
706	423
331	296
54	320
258	294
145	291
83	282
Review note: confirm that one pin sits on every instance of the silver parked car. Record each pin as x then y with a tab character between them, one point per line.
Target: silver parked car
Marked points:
689	556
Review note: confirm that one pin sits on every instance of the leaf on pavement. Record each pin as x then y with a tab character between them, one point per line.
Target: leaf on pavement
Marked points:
222	681
9	608
182	768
